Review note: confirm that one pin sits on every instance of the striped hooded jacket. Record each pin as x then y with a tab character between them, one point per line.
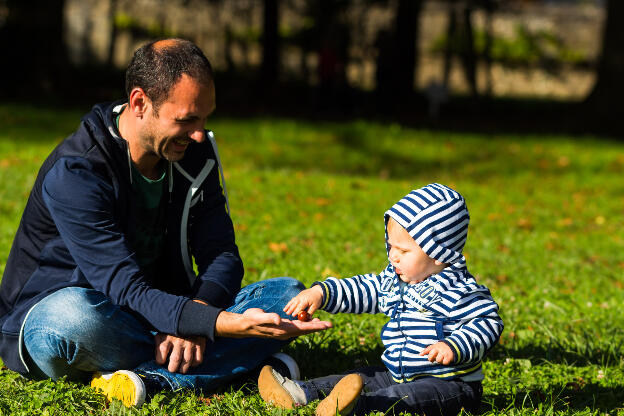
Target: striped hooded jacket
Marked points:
449	306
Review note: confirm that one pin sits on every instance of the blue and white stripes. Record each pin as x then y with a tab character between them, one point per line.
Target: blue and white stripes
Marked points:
449	306
437	219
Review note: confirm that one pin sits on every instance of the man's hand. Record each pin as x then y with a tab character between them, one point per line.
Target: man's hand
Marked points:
255	322
182	353
439	352
307	300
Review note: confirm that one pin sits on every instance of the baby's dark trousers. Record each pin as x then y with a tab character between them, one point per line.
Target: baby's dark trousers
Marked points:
425	396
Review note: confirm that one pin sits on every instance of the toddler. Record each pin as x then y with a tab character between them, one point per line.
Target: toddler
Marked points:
441	324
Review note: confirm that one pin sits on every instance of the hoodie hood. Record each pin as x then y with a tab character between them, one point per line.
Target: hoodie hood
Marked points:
436	217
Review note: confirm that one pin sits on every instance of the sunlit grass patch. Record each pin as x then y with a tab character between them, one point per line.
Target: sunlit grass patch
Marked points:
307	200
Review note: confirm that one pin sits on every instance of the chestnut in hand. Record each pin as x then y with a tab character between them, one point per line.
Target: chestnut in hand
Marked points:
303	316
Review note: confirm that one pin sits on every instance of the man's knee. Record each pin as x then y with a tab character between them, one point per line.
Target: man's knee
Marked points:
69	311
77	330
289	286
269	295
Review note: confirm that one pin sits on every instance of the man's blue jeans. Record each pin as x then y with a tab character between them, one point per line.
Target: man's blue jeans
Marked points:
429	396
77	331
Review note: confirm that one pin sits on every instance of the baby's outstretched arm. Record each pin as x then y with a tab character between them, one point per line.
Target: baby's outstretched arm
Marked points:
307	300
439	352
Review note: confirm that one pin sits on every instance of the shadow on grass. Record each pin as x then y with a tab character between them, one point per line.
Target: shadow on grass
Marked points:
376	147
573	396
559	354
372	150
494	115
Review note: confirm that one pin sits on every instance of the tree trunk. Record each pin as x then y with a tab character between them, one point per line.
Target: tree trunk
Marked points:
468	57
270	42
408	12
112	13
606	97
397	56
451	37
33	50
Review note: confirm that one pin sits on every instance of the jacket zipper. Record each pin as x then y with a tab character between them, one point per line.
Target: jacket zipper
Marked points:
401	292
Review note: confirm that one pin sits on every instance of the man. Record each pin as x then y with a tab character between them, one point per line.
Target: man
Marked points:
100	276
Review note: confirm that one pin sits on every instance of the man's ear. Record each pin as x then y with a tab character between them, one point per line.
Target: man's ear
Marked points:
138	102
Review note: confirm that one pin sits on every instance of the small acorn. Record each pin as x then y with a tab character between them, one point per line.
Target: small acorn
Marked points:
303	316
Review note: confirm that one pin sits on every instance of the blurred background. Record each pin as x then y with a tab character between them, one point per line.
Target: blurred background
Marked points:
552	65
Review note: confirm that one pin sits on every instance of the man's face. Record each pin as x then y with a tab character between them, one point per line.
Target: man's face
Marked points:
409	261
179	121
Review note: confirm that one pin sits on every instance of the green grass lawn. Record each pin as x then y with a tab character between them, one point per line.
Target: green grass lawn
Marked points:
307	200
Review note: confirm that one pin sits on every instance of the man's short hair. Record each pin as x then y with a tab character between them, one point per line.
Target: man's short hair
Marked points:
157	66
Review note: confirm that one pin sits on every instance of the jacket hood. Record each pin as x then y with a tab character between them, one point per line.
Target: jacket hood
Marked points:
436	217
100	122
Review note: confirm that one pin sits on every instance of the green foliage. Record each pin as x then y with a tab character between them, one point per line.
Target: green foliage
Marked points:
525	47
307	201
152	29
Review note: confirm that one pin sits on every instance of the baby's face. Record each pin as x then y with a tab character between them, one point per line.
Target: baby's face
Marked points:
409	261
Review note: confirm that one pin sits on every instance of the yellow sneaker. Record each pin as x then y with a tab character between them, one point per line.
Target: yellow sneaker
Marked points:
342	398
122	385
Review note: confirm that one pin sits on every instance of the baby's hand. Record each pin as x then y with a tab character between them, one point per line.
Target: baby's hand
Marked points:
439	352
307	300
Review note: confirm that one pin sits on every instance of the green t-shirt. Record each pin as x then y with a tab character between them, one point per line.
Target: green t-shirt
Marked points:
149	236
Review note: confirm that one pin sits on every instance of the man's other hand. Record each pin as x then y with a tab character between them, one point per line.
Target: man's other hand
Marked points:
182	353
255	322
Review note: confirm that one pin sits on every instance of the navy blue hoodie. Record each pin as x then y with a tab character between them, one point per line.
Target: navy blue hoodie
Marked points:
75	232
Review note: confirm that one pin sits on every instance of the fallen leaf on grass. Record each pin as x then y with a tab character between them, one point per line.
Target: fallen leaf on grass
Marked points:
568	290
525	224
278	247
321	202
327	272
240	227
577	384
563	161
6	163
503	248
208	400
